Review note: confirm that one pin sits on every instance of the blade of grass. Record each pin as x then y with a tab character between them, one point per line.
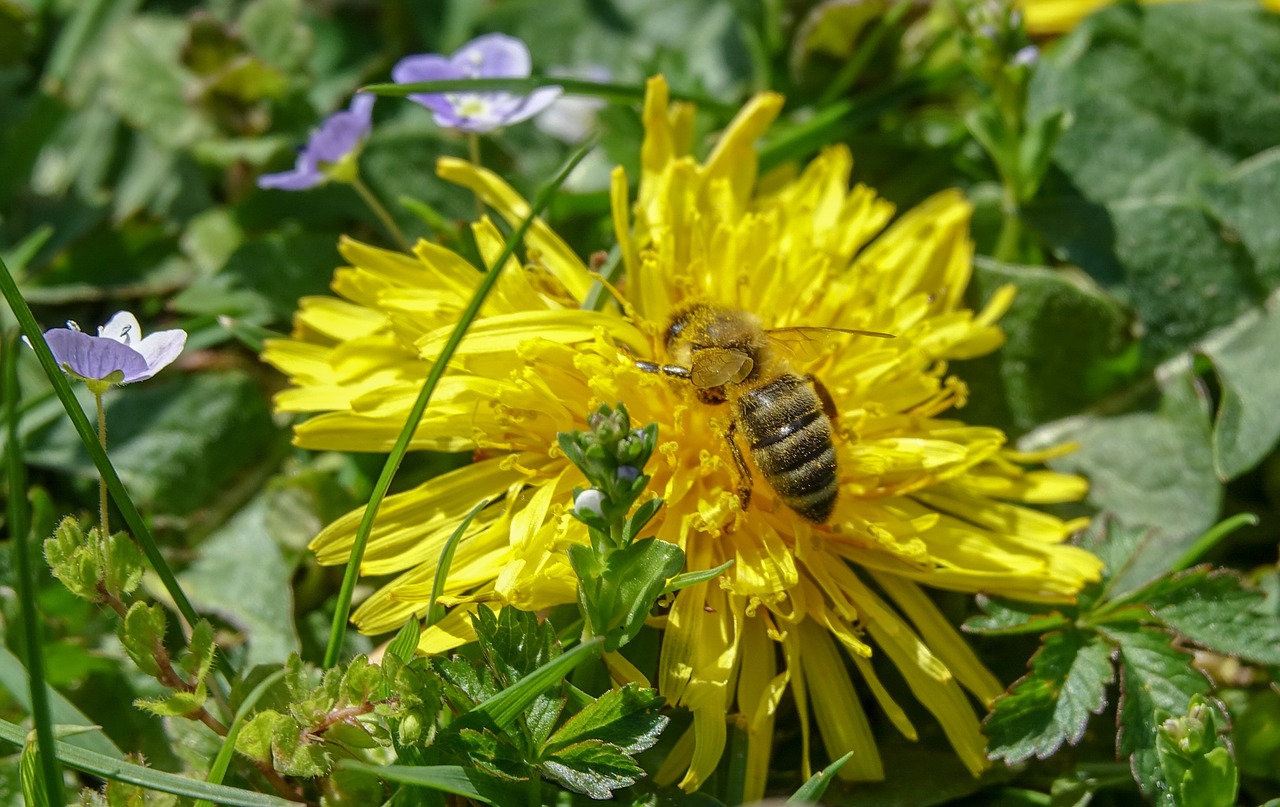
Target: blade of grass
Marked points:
504	707
342	610
467	782
105	767
89	437
20	540
811	791
1212	537
15	680
608	91
436	613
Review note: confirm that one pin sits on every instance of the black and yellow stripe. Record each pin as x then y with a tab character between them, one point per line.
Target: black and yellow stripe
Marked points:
791	443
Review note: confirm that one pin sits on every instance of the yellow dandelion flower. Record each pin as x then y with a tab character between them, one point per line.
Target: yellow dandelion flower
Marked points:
1059	16
921	500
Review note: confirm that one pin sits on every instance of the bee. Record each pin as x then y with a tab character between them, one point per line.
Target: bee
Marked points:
785	418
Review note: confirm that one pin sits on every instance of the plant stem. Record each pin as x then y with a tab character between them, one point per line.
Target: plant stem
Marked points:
102	482
473	149
381	212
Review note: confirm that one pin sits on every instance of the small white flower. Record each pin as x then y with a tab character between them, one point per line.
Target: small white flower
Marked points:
590	501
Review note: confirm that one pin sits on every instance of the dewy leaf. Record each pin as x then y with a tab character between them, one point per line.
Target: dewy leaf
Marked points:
627	718
593	767
1216	611
1179	493
1052	703
637	575
1153	675
1165	99
1246	427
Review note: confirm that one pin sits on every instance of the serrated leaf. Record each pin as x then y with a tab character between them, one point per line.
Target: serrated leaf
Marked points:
1245	428
468	782
515	643
1051	705
592	767
489	751
1153	676
1008	618
627	718
1215	610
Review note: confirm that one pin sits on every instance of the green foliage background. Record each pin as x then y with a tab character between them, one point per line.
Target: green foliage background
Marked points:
1146	252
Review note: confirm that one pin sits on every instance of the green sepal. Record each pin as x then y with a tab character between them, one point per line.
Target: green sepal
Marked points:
1195	762
279	741
201	649
141	632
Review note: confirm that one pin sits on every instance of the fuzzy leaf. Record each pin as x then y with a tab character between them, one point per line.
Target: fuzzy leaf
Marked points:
592	767
122	564
1153	676
627	718
1052	703
178	704
71	560
201	649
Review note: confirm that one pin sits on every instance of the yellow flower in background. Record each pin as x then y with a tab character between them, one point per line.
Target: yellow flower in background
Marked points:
922	499
1045	17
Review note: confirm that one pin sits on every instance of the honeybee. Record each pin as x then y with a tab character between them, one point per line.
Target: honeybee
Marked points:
786	418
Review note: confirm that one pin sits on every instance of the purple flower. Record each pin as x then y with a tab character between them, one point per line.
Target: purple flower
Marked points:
332	146
117	349
489	56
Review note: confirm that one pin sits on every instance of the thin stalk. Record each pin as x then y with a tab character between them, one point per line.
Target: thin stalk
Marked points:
102	483
88	437
473	153
19	535
342	611
381	212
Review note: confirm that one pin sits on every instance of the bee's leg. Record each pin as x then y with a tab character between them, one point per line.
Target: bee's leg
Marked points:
824	397
744	473
828	406
673	370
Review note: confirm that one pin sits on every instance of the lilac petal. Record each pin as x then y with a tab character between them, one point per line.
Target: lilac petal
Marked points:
412	69
534	103
93	357
296	180
493	56
362	106
159	350
123	327
339	135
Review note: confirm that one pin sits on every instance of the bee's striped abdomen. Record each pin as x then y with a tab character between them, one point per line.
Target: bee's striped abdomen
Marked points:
790	439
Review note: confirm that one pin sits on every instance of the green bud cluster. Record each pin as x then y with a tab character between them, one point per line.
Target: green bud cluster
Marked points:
93	565
1195	760
612	456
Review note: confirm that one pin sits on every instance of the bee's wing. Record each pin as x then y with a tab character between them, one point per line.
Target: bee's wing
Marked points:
810	343
717	367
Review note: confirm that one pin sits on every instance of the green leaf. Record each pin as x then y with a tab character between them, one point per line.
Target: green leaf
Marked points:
253	596
178	704
1215	610
633	579
1007	618
1194	760
626	718
470	783
812	790
1245	428
1166	102
592	767
504	707
34	790
162	435
273	31
1153	676
1038	376
405	644
122	564
148	85
1052	703
686	579
1181	493
72	560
